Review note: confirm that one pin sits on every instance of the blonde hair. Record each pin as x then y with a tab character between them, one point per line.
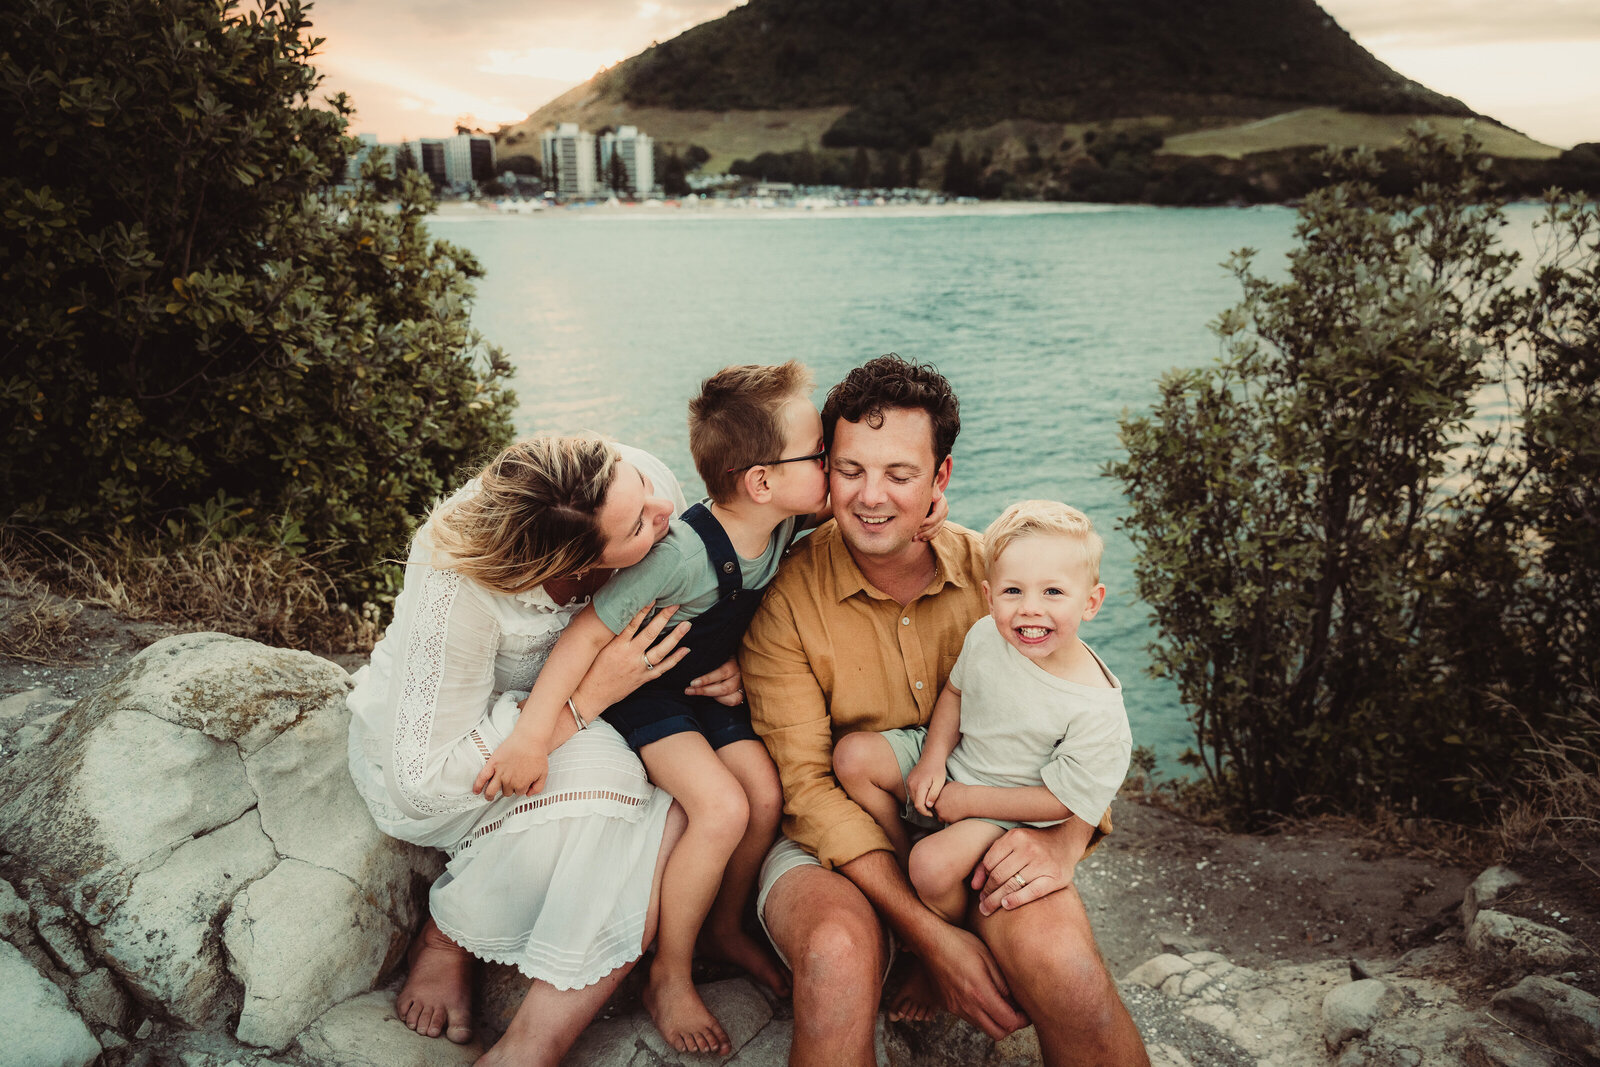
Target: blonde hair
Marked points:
1047	517
735	423
534	516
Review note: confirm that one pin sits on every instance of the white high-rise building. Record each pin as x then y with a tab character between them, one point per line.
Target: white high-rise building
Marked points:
637	152
569	160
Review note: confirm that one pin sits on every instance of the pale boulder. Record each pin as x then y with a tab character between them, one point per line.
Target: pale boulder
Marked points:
302	939
37	1027
162	939
206	783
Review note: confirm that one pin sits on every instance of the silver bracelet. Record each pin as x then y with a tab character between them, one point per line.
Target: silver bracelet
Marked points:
576	718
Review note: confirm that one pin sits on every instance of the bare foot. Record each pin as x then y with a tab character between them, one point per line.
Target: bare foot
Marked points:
918	1000
682	1017
740	949
437	996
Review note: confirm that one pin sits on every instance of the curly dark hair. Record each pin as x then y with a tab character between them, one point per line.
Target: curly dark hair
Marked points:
892	382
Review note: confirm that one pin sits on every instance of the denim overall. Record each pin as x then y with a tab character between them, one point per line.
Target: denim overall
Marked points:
660	708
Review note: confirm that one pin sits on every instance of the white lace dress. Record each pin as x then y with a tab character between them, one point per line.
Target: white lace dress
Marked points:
558	883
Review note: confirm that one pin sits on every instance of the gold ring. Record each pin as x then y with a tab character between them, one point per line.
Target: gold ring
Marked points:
1021	881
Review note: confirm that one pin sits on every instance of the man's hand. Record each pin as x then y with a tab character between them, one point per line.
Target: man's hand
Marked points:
1025	864
925	783
519	765
970	983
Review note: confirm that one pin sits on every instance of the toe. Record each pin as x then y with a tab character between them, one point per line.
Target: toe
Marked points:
459	1033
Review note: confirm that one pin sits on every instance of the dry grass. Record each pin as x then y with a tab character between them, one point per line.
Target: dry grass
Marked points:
245	588
36	627
1560	779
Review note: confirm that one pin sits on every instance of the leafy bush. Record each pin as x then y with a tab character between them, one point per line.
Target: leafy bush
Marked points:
1353	566
190	314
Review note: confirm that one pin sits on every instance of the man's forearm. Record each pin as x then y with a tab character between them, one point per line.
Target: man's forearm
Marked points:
886	886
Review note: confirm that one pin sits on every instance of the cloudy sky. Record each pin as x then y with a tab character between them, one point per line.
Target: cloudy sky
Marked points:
413	67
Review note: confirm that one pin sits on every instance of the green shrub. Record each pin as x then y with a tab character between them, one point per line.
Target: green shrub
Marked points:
1351	564
191	314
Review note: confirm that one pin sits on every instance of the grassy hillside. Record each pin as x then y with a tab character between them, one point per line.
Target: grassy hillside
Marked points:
1321	126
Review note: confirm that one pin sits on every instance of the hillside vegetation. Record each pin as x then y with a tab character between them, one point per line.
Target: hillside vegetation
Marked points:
911	68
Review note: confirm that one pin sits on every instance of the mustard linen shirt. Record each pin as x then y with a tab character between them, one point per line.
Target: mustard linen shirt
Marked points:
829	653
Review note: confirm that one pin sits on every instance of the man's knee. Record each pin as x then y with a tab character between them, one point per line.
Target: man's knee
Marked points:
1049	947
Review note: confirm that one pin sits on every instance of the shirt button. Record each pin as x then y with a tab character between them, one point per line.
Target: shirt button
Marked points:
919	685
905	621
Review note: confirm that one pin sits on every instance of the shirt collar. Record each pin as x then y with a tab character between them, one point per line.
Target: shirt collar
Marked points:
949	568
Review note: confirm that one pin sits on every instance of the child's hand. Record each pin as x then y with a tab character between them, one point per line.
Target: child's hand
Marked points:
924	783
518	766
954	803
938	511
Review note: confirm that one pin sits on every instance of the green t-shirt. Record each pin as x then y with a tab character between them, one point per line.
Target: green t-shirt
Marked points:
678	571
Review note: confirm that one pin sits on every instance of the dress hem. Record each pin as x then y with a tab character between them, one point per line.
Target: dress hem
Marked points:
564	984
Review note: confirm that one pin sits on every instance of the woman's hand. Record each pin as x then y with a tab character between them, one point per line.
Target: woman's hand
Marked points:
925	784
938	511
518	766
620	668
725	685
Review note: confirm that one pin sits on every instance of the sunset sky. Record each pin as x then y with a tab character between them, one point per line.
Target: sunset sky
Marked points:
413	67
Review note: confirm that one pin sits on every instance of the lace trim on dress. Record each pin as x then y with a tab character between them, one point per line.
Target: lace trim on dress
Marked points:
606	796
419	695
615	946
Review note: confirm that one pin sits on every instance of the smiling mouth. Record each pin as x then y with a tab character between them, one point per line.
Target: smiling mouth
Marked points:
873	520
1033	633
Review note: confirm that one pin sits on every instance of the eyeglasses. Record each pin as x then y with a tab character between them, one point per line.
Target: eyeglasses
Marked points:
823	455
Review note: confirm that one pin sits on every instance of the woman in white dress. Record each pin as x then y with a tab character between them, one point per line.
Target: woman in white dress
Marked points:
562	883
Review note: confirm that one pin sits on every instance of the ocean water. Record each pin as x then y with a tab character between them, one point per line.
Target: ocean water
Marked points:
1050	322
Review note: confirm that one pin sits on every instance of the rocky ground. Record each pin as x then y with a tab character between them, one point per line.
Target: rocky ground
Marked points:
1315	944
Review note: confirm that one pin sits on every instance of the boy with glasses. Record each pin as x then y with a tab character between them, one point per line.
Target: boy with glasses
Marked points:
756	439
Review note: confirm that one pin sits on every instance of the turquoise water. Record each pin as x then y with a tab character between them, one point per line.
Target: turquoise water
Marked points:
1049	323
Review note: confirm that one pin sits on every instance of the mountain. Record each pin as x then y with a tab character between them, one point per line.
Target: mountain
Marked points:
891	75
909	68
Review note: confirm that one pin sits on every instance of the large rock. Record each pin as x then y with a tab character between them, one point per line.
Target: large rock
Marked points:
1570	1016
37	1027
302	939
1514	943
207	784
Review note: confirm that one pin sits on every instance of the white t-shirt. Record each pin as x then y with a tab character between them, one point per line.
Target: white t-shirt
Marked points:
1022	726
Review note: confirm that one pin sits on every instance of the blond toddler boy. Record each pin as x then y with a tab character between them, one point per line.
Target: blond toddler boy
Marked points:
1030	727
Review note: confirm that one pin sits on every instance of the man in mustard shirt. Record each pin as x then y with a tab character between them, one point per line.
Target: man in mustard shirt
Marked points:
858	632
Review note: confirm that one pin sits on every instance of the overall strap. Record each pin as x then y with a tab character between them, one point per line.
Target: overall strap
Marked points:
723	559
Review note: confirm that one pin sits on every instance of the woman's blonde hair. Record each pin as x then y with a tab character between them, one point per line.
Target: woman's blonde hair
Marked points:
535	516
1044	517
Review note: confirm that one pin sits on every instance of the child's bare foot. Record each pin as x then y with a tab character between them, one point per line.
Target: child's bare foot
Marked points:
917	1001
682	1017
740	949
437	996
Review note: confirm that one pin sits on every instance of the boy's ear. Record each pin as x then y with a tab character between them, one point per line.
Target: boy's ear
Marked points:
1097	596
755	485
987	599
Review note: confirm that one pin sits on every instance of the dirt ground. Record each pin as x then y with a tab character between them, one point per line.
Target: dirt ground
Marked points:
1159	882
